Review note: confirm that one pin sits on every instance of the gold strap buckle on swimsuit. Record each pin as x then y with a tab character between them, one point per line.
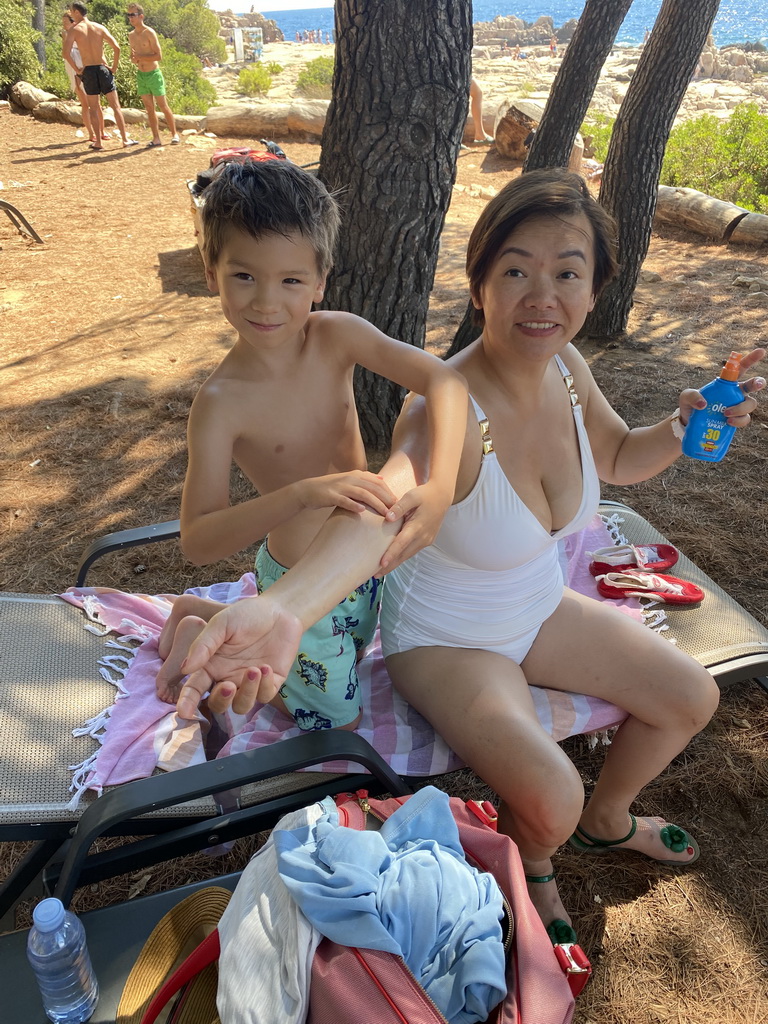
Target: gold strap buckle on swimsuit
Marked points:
486	436
571	390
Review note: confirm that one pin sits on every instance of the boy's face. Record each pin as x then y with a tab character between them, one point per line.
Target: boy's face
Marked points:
266	285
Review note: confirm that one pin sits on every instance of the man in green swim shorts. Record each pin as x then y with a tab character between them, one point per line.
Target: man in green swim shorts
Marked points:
146	55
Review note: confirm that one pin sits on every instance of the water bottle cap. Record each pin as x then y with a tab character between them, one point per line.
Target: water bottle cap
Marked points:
48	915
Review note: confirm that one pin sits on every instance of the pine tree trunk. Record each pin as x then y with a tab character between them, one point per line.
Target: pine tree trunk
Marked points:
391	138
575	83
38	23
633	165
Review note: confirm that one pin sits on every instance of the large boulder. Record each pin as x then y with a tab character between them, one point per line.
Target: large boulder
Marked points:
28	96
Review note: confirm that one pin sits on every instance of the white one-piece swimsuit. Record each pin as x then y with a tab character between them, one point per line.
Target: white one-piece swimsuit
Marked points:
492	576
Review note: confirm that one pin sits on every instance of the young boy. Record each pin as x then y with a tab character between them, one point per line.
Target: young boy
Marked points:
281	405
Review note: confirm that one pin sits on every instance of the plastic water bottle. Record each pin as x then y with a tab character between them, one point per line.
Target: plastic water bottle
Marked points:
707	433
59	957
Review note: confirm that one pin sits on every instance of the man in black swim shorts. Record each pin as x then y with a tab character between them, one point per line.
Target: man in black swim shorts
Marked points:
98	79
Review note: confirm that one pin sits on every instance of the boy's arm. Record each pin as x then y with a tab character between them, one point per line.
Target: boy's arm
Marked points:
445	392
247	649
211	528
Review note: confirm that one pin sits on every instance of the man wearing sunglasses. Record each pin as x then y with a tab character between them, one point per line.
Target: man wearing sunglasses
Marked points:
146	55
98	79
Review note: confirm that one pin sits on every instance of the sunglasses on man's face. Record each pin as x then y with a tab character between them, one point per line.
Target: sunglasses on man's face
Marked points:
131	14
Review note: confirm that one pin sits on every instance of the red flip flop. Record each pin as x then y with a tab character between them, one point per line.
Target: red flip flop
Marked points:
637	557
667	589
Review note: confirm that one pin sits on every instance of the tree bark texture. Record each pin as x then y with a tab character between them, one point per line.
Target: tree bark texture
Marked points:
633	165
38	23
575	83
391	138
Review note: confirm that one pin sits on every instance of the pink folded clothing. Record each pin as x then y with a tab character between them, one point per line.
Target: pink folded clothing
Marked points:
140	733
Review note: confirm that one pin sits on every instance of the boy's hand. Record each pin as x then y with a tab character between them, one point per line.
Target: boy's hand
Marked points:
422	510
242	655
355	492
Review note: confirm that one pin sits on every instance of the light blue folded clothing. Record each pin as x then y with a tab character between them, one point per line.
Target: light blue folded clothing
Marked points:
408	890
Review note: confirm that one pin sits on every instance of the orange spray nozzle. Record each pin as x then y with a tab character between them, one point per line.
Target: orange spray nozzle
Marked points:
732	367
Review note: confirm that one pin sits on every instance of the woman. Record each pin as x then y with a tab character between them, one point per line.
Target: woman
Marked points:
477	616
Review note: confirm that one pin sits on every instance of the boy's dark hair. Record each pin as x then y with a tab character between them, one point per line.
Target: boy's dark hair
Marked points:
80	8
552	192
269	197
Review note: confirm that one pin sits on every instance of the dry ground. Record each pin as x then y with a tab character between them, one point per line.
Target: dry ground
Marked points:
107	330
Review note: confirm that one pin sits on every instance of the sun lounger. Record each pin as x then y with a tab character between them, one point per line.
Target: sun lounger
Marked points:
49	681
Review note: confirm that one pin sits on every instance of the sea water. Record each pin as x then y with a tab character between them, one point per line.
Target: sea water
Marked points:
737	21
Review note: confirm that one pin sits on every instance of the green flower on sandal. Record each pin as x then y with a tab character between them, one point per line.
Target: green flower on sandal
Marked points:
673	837
559	931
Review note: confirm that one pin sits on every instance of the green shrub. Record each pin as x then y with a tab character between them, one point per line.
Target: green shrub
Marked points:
188	92
254	81
725	159
274	68
18	60
598	127
316	78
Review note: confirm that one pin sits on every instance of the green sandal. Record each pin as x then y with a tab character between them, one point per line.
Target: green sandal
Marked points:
673	837
559	931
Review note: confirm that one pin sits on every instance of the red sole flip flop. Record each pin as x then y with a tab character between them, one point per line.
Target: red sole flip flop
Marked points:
636	557
656	587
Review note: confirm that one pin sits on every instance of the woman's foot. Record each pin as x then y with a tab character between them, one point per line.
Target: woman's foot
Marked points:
653	837
542	889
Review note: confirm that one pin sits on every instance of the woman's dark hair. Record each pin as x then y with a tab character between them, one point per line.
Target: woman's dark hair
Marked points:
552	192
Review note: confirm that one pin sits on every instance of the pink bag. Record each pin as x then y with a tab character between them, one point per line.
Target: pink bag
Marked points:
539	988
542	980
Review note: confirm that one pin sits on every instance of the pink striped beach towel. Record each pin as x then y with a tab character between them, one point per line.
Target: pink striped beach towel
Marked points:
140	733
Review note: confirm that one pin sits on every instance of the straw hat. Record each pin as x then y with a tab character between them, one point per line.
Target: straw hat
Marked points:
175	936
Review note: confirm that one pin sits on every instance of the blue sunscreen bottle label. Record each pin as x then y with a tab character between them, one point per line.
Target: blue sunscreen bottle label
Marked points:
707	434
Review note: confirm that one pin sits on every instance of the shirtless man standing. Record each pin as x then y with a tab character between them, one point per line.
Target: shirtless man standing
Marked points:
146	55
96	77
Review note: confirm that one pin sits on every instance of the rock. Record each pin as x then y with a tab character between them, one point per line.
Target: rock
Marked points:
757	299
29	96
746	282
708	63
758	286
649	276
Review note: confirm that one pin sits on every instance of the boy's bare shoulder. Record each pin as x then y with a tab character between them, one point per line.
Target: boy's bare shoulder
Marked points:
334	320
338	326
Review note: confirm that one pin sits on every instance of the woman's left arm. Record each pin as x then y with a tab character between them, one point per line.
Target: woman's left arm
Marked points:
627	456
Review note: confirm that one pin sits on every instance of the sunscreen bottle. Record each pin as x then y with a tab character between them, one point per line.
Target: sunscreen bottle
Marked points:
707	433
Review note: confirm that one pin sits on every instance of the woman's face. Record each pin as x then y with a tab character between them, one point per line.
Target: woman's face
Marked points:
539	289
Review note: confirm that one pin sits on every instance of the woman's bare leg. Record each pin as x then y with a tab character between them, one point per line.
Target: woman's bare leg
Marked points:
479	702
589	648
